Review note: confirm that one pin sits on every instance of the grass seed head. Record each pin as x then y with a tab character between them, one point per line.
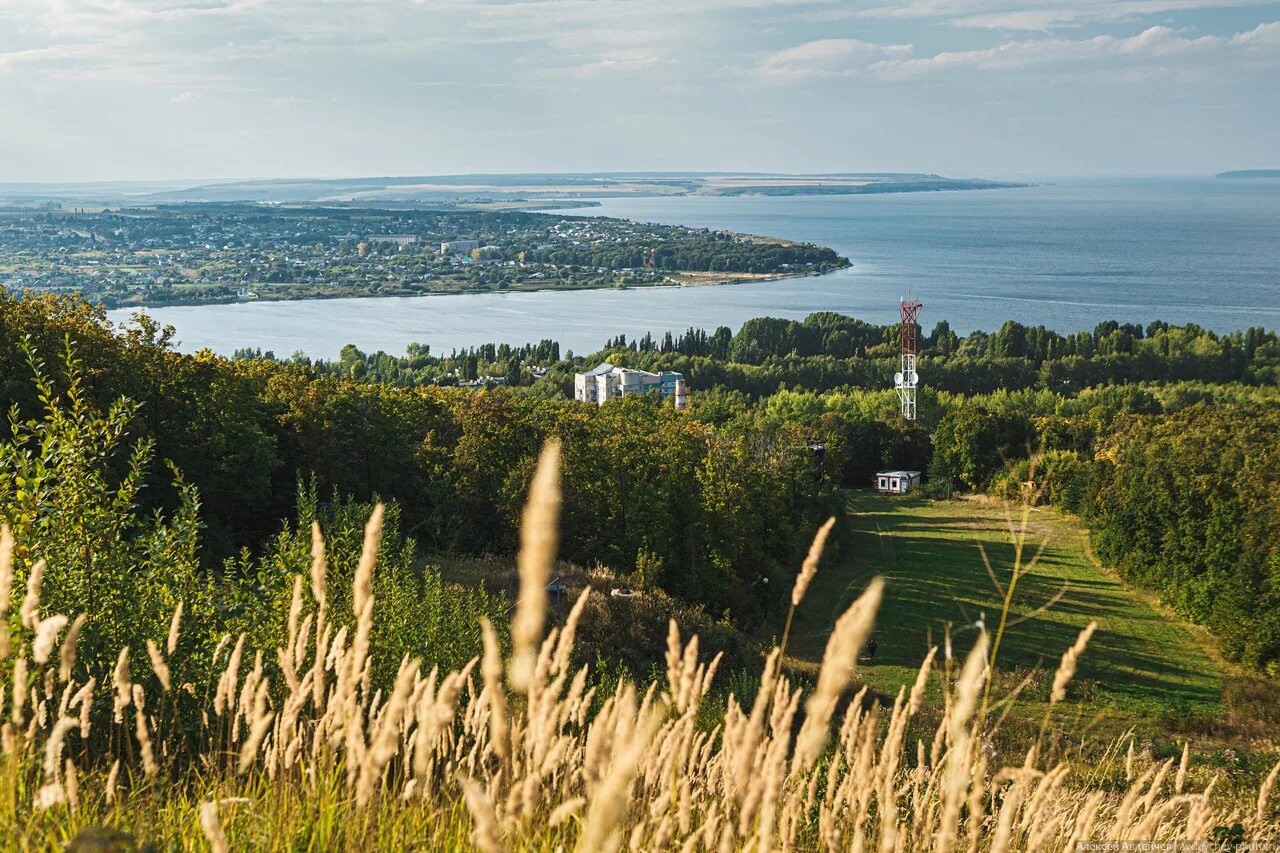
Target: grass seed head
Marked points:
539	538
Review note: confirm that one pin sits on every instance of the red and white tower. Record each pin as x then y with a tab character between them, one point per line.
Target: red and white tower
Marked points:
906	379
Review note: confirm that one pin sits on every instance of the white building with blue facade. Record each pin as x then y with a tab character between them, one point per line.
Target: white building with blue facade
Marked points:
607	382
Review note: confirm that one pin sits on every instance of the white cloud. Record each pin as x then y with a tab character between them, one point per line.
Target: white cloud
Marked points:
1261	36
617	63
1152	47
1041	15
826	58
33	56
187	97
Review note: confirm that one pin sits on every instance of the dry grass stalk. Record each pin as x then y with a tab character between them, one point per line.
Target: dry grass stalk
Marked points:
608	803
539	537
363	589
71	785
84	700
810	566
67	656
113	778
46	638
30	609
259	725
1070	660
159	666
1264	793
922	682
838	664
54	747
149	766
319	570
961	741
175	625
212	827
224	699
486	832
491	671
122	681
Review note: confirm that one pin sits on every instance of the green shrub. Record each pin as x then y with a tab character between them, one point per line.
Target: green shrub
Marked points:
70	489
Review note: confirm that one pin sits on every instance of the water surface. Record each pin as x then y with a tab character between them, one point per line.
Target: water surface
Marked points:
1068	255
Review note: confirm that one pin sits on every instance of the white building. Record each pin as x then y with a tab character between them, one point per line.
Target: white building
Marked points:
607	383
400	240
897	482
454	247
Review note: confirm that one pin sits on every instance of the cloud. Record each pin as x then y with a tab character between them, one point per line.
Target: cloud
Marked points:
33	56
826	58
1153	47
612	64
1261	36
1152	44
187	97
1041	15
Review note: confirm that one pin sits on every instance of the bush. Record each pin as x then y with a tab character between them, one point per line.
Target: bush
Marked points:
1059	477
70	490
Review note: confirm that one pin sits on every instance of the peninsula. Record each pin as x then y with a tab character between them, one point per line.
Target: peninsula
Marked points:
204	253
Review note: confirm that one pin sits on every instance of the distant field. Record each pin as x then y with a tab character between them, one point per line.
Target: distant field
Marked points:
1140	662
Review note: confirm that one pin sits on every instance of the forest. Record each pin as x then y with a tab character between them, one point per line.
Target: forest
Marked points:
990	402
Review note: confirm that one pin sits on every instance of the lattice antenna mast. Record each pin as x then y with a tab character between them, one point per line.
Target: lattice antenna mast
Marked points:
907	379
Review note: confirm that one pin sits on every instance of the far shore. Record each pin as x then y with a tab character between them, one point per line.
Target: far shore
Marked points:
674	279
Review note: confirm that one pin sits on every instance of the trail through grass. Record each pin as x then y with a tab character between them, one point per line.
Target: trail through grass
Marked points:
1139	663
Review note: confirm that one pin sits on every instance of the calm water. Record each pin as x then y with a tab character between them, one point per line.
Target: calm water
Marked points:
1067	255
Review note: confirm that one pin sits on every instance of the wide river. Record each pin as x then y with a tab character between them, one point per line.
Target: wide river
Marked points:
1066	254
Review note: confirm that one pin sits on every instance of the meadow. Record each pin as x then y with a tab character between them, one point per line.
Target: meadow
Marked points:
931	555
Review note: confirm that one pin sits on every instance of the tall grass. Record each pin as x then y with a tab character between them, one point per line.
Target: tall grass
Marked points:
292	748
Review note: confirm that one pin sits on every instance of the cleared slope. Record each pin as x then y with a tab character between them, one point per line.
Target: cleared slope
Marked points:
1140	660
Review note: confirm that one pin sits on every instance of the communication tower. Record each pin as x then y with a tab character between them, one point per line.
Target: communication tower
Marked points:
906	379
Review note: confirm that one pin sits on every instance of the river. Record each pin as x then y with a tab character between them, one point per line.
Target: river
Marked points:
1066	254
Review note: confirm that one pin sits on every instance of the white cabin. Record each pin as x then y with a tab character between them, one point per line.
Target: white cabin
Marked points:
897	482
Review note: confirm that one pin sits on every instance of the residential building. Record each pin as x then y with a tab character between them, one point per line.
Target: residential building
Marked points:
454	247
400	240
607	382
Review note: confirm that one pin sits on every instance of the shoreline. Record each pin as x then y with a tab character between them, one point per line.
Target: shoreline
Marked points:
728	280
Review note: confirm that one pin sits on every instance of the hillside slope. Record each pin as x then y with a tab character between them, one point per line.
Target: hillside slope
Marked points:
1139	661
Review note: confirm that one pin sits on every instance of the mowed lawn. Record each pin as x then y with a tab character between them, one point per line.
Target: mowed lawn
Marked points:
928	552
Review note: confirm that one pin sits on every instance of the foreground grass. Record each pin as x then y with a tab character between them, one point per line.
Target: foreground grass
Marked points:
520	752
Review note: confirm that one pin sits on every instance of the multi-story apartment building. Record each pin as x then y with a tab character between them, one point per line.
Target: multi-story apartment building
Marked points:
608	382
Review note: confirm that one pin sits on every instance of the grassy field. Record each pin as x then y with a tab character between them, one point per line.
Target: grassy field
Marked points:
1140	663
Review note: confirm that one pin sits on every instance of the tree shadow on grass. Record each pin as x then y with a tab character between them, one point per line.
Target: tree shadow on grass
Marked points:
935	577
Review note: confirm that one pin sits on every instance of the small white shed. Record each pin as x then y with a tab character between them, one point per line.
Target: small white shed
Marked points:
897	482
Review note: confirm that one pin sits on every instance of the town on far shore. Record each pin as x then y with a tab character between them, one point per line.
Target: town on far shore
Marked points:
203	253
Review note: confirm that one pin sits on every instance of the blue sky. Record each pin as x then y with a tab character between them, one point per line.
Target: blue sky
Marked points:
196	89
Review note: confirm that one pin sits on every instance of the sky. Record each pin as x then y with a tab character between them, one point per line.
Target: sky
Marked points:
192	90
